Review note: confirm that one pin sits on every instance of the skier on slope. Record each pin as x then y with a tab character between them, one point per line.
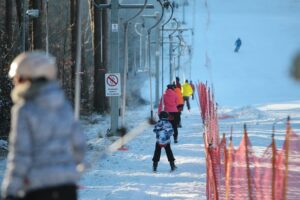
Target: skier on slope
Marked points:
46	144
180	103
169	104
178	82
187	91
238	44
163	130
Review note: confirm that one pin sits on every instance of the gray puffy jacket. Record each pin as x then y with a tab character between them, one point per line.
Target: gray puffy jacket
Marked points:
46	143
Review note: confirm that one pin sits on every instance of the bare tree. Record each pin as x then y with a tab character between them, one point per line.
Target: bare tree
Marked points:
37	25
100	56
6	36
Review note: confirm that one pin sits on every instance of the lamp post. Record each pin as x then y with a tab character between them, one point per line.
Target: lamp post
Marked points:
126	62
78	60
149	57
172	75
166	4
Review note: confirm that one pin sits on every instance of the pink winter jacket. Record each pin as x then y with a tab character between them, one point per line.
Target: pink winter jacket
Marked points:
170	101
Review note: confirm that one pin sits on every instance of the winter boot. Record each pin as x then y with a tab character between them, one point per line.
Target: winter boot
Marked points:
173	166
154	166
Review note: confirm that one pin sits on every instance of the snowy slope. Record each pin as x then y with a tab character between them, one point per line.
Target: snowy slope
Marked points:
128	174
259	73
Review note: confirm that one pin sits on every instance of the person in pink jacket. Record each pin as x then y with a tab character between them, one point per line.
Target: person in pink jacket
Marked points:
169	104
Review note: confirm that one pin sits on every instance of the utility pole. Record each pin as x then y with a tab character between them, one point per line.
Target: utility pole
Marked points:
172	74
158	20
157	53
114	6
166	5
125	70
184	4
78	60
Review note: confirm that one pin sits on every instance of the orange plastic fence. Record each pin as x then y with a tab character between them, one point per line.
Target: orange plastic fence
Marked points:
238	174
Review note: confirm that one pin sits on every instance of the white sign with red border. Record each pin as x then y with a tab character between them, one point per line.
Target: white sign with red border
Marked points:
112	84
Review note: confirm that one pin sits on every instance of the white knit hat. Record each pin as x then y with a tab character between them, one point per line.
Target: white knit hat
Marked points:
34	64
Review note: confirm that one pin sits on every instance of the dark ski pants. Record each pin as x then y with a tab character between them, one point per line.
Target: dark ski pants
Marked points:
180	108
237	48
62	192
157	152
187	100
174	122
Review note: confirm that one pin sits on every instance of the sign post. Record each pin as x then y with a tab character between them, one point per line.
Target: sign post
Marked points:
114	6
112	85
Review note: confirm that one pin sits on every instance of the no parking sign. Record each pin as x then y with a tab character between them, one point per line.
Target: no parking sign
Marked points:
112	84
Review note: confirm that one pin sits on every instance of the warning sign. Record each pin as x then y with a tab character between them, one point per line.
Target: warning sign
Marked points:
112	84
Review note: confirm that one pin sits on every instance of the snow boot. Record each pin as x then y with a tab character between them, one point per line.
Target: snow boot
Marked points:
155	166
173	166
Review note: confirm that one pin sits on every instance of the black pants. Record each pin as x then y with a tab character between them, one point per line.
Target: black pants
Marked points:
187	100
62	192
157	152
174	122
237	48
180	108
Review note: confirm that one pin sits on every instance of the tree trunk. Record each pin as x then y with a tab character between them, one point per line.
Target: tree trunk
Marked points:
37	26
73	26
100	57
5	83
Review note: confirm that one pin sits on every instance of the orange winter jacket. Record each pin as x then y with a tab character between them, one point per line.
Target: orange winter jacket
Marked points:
179	95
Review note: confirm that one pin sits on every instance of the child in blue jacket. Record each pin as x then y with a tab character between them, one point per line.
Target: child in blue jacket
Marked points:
164	131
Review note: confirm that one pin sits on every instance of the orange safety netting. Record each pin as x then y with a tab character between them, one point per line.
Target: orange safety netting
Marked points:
240	174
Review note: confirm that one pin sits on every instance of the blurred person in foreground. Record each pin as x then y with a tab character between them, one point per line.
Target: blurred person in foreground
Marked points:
46	144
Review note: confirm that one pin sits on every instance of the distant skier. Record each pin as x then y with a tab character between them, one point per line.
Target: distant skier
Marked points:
193	87
238	44
178	82
163	130
187	91
180	103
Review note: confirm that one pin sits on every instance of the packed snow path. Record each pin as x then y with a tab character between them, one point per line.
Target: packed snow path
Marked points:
128	174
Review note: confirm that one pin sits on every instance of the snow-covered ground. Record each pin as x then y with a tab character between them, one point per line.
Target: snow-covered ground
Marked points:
128	174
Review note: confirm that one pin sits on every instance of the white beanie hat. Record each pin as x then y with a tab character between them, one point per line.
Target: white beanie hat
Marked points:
34	64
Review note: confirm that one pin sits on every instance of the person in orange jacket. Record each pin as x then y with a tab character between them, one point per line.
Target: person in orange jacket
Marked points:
180	102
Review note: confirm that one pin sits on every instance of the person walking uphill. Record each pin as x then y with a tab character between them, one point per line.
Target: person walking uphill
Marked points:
180	101
163	130
169	104
46	144
187	91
